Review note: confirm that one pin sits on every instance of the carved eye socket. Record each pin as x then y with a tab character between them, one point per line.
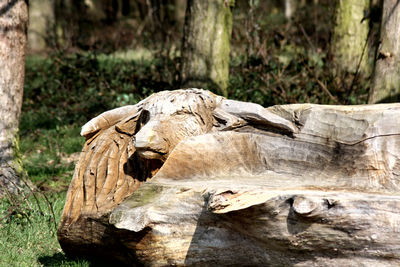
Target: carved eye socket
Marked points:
144	118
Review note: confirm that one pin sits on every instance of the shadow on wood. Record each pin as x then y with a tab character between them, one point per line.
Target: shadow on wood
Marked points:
216	181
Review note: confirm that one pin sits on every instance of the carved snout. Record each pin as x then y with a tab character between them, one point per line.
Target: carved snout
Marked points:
149	141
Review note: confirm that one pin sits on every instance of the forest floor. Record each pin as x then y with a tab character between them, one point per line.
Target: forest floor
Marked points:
28	225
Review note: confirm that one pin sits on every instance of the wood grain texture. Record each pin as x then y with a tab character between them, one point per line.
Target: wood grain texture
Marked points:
386	81
206	44
13	27
302	185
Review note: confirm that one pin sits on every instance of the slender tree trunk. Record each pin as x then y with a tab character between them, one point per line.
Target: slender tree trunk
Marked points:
41	31
69	15
350	36
180	9
13	29
206	45
290	7
386	80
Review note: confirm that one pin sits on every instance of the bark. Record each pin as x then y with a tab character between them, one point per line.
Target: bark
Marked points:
304	185
111	8
290	8
179	13
70	16
206	45
41	30
350	47
386	81
13	28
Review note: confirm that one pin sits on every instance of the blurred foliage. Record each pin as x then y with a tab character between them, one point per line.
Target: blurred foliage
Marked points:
273	61
63	88
49	155
278	61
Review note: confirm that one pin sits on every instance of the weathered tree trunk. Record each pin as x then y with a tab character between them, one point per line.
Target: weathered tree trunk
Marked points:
190	178
206	45
290	8
41	30
13	28
69	15
179	13
386	80
350	46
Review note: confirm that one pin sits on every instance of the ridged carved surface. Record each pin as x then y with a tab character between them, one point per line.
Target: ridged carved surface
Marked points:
190	178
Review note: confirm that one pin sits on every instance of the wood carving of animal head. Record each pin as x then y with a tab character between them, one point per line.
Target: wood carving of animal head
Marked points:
162	120
128	145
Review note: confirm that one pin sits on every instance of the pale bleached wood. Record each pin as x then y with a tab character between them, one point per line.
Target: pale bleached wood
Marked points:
109	118
385	82
321	187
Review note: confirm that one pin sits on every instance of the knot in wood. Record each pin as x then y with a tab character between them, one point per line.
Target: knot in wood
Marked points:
304	206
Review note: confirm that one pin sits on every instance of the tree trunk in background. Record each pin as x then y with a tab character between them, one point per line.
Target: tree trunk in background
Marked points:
206	45
386	81
290	7
41	30
179	13
13	29
350	36
69	15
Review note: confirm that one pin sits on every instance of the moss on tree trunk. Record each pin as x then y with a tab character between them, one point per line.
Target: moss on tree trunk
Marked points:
386	80
350	36
206	44
13	28
41	31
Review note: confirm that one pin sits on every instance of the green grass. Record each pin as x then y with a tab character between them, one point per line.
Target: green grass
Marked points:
28	232
48	154
28	224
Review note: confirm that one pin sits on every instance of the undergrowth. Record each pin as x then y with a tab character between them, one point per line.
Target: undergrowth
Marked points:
28	222
70	89
28	232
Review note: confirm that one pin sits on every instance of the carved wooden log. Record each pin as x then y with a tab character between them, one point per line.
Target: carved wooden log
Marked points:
190	178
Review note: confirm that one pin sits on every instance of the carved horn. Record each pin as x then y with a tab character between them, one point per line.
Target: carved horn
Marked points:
109	118
255	113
